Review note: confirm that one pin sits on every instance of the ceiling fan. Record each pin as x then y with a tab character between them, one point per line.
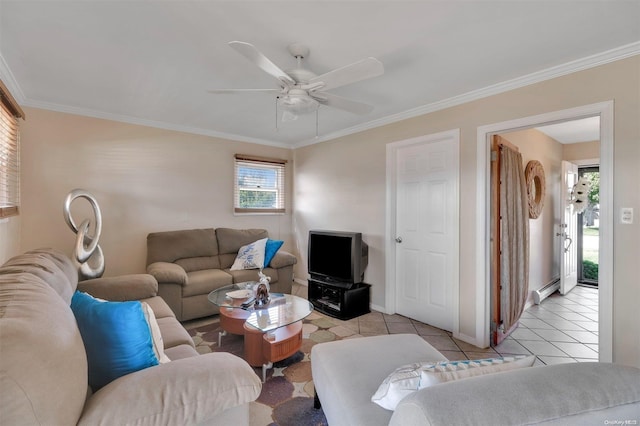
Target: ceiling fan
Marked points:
301	91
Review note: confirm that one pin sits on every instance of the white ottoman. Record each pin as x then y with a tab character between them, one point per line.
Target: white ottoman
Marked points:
346	373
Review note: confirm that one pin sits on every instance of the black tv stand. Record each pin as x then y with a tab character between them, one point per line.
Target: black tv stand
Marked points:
339	300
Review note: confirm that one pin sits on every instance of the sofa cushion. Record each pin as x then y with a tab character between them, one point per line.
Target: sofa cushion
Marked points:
169	246
160	307
65	264
116	337
409	378
250	256
190	391
44	266
197	263
174	334
230	240
180	352
271	249
252	275
205	281
43	365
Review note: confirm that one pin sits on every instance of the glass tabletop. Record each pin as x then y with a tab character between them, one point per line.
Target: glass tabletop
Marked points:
282	310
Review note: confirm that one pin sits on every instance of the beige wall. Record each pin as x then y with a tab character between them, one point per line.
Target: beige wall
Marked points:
581	151
341	184
340	187
144	179
544	253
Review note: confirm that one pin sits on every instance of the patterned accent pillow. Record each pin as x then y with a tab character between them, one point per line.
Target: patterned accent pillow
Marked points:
409	378
250	256
453	370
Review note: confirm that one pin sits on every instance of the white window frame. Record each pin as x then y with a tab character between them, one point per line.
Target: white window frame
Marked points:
276	165
10	113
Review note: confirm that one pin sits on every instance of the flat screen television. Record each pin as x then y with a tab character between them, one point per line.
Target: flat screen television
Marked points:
338	257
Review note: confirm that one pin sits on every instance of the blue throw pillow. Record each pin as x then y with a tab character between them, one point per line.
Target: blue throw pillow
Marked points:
270	250
116	337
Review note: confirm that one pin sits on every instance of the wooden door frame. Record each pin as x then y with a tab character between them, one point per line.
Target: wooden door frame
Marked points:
390	225
605	275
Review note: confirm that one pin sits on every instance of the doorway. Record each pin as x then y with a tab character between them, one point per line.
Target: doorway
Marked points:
589	229
605	273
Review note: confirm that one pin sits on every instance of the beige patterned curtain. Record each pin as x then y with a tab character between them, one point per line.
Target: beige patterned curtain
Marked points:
514	213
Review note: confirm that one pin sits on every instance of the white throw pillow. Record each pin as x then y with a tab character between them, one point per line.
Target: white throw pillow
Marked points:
250	256
156	336
402	382
409	378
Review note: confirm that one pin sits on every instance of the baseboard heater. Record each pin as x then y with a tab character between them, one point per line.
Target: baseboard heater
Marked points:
546	291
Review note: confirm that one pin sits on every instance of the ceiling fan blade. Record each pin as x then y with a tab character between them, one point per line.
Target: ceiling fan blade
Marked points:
366	68
254	55
229	91
329	99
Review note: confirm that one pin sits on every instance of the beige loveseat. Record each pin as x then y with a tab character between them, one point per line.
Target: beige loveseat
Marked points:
43	362
189	264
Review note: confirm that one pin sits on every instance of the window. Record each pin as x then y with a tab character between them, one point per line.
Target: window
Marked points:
259	185
10	112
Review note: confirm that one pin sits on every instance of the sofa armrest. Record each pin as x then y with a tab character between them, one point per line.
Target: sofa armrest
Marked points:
121	288
166	272
282	259
581	393
185	391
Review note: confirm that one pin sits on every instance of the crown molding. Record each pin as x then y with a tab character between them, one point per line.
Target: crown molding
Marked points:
592	61
616	54
150	123
10	81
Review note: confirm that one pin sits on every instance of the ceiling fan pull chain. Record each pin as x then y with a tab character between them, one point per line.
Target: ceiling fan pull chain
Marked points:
277	97
317	121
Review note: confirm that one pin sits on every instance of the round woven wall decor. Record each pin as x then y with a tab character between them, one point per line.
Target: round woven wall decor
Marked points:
534	177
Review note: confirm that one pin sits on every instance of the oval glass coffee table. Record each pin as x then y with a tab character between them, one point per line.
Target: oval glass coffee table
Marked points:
271	333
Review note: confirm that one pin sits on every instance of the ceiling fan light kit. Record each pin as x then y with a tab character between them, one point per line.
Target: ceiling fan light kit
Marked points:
297	101
301	91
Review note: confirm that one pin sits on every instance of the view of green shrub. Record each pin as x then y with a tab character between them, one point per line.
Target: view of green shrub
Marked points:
590	270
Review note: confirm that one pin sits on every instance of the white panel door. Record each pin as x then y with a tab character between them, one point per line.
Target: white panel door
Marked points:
427	231
568	233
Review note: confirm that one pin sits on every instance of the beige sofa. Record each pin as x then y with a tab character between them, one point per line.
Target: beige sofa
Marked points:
346	376
43	362
189	264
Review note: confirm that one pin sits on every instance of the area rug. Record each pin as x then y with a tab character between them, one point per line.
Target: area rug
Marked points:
287	394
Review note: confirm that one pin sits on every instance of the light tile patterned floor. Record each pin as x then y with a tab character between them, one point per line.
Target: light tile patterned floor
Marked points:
561	329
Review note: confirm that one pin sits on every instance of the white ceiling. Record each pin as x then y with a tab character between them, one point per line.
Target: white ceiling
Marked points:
574	131
152	62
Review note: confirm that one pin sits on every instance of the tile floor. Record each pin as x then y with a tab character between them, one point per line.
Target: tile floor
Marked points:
561	329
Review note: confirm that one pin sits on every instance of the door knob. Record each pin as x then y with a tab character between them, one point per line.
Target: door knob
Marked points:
399	240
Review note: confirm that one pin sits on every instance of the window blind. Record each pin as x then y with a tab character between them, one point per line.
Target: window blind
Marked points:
10	112
259	185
